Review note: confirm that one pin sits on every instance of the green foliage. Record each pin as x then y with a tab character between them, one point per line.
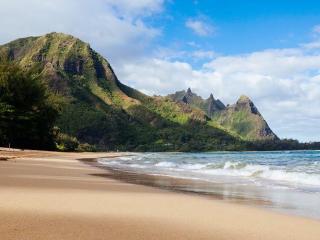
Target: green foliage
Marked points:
66	143
282	144
97	112
243	122
27	110
239	121
86	147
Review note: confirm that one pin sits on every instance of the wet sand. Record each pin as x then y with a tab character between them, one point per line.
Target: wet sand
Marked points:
49	195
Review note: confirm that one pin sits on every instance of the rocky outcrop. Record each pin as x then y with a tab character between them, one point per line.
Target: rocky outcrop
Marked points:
74	66
244	103
242	118
209	106
214	105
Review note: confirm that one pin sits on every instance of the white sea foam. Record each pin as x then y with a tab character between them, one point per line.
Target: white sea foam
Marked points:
292	177
165	164
195	166
276	177
235	170
238	169
137	166
126	158
307	173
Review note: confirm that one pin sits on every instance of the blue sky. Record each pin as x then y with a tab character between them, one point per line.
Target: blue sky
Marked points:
268	50
239	26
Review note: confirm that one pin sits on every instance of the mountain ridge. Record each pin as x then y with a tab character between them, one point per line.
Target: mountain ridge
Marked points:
242	118
100	110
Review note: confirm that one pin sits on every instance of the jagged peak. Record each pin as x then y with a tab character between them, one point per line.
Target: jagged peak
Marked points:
245	101
243	98
211	96
60	35
220	104
63	37
189	91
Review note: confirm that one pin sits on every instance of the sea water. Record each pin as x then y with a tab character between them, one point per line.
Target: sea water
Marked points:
282	180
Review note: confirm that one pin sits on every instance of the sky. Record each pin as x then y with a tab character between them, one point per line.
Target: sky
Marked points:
268	50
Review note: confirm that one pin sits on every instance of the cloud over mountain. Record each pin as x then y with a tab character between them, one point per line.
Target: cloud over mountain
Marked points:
283	82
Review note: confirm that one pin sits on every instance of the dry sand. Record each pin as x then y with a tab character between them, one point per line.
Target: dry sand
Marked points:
48	195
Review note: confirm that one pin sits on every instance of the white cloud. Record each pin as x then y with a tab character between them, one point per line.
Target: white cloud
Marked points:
200	27
316	29
173	55
315	44
133	8
114	28
284	84
201	54
311	45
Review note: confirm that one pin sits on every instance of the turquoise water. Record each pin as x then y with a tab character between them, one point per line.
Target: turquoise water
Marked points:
283	180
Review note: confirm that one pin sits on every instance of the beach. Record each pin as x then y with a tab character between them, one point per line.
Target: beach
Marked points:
53	195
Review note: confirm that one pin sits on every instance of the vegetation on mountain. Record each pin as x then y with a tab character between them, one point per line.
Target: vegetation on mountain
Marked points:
245	119
99	110
58	92
242	119
209	106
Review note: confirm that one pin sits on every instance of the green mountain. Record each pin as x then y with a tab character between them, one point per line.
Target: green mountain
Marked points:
209	106
244	118
98	109
241	118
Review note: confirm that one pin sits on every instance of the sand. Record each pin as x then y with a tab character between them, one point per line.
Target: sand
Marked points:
49	195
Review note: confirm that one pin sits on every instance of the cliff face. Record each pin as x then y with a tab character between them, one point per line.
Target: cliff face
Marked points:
242	118
209	106
100	110
214	105
67	64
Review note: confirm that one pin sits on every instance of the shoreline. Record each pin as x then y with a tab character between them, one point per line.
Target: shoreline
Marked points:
58	196
171	182
193	187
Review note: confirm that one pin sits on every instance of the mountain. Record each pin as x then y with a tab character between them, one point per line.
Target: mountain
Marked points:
98	109
241	118
209	106
244	118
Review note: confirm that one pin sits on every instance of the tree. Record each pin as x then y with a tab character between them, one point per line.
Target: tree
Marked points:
27	110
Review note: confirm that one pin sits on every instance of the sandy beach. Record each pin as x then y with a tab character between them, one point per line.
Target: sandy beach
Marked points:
50	195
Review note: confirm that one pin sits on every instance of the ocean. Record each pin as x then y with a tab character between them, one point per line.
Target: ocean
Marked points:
286	181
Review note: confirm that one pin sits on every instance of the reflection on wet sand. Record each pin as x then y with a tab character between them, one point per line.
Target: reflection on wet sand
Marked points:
231	193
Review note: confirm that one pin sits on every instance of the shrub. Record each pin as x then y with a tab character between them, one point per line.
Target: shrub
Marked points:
66	143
